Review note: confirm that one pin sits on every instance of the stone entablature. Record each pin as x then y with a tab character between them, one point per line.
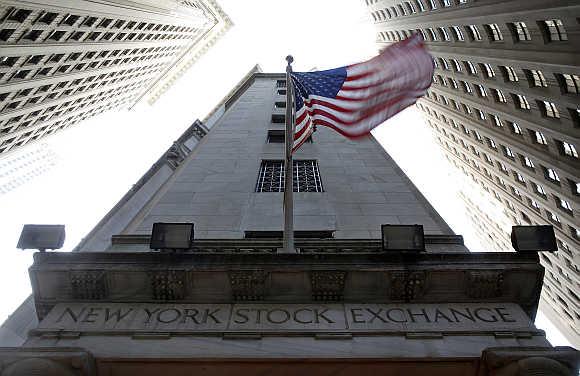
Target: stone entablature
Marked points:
220	278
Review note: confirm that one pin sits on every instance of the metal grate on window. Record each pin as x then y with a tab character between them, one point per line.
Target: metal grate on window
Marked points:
306	176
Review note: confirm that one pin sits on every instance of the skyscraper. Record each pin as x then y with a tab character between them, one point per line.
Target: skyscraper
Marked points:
344	303
62	63
17	170
504	106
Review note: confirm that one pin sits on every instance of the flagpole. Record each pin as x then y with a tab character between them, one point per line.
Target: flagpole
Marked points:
288	181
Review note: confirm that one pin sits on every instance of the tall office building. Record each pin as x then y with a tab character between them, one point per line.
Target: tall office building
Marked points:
344	303
63	62
504	106
17	170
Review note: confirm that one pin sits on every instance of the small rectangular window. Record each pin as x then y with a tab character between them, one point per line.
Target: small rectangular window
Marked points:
306	176
494	32
278	118
555	30
280	83
521	31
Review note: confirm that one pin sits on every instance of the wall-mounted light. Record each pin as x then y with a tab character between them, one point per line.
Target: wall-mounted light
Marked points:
41	237
167	236
403	238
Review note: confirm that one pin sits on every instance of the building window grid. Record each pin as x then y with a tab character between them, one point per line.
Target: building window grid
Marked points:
306	176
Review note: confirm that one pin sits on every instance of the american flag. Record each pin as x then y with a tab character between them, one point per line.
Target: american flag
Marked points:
354	99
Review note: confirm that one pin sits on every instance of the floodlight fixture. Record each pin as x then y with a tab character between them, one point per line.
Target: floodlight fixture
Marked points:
534	238
403	238
171	236
41	237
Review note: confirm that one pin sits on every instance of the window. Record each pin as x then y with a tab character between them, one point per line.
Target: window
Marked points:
488	70
538	137
519	178
458	33
70	20
32	35
474	32
477	135
56	35
491	143
515	128
537	78
20	74
467	87
47	17
539	190
494	32
19	15
522	102
498	95
5	34
526	161
276	136
281	91
509	73
6	61
555	30
508	152
551	175
89	21
481	115
280	105
570	83
497	121
554	218
306	176
481	90
278	118
471	68
503	168
567	149
456	65
281	83
522	32
444	64
563	204
550	109
444	34
534	204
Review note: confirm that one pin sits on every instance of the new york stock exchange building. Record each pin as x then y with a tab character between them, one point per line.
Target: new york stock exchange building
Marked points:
356	298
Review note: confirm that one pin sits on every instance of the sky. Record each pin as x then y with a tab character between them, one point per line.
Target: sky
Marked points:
100	159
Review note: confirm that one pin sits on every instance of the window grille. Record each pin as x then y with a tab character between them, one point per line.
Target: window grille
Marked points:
306	176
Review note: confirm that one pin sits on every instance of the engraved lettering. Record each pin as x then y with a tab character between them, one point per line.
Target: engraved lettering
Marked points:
402	319
173	314
320	315
486	318
207	314
456	313
190	313
244	316
504	315
376	315
259	315
422	313
74	316
298	320
355	315
285	315
439	313
91	314
150	314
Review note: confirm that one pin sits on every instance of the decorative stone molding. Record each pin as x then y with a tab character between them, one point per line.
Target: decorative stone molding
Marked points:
168	284
327	286
176	154
88	284
248	285
484	284
407	285
541	361
45	362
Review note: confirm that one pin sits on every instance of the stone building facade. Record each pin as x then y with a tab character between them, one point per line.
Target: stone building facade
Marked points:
64	61
341	304
504	106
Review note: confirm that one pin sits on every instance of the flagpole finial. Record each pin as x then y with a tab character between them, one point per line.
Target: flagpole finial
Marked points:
289	59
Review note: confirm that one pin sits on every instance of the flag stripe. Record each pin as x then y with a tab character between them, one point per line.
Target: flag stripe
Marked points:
353	100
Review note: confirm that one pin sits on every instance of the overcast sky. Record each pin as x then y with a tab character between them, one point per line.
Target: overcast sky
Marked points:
100	159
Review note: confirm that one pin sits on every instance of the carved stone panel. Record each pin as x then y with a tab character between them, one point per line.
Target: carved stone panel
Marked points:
168	284
327	286
88	284
248	285
484	284
407	285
